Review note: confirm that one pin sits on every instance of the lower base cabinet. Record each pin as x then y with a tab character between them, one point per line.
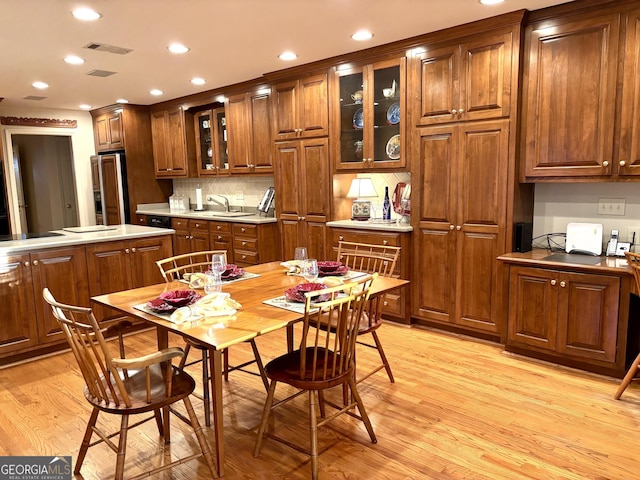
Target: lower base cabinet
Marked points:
27	321
568	315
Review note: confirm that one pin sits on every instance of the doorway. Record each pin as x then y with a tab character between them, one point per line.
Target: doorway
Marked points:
45	184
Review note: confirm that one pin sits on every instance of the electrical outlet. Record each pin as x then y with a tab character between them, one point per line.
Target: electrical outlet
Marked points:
239	195
630	235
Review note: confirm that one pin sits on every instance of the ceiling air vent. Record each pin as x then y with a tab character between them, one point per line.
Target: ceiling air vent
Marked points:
34	97
100	73
103	47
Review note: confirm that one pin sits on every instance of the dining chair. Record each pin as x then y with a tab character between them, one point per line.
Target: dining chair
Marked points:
126	387
371	258
633	259
173	269
325	359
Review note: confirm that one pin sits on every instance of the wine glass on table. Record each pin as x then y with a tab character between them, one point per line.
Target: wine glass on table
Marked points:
218	265
310	270
301	254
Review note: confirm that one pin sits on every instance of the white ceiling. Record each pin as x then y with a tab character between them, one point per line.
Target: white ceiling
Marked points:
231	41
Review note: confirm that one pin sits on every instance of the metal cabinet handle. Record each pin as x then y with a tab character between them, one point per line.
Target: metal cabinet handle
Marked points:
563	284
553	282
622	163
605	164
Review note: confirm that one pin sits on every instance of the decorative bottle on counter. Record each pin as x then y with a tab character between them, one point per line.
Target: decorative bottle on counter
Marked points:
386	206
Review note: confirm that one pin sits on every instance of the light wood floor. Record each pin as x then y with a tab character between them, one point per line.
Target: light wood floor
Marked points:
460	408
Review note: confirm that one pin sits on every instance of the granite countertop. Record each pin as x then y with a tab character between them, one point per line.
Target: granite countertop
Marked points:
105	234
540	257
377	225
165	211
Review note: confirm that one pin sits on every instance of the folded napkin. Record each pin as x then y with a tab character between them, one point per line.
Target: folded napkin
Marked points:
213	305
292	266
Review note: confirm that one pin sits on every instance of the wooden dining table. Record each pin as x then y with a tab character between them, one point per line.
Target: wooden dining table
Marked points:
254	318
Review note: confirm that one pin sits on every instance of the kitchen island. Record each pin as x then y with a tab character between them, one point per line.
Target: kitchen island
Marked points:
75	267
576	310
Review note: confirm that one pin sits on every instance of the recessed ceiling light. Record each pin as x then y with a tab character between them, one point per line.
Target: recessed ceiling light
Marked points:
198	81
490	2
177	48
40	85
74	60
84	106
156	92
86	14
362	35
122	100
287	56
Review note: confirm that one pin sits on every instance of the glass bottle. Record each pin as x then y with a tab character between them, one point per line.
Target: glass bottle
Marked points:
386	206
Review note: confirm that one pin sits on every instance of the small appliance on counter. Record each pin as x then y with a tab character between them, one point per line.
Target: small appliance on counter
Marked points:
267	201
585	238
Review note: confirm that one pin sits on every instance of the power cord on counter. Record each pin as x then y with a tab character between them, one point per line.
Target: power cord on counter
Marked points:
551	244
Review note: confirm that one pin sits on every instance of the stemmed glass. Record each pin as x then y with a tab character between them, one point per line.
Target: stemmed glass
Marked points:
218	266
301	253
310	269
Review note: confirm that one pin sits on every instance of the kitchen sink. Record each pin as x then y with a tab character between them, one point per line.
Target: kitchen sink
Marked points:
228	214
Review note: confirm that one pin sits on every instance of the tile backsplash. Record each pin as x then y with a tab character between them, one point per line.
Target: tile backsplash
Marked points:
251	189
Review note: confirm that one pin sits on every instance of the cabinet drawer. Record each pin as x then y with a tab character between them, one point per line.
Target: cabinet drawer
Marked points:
179	223
392	305
376	238
250	244
200	225
219	227
245	230
246	258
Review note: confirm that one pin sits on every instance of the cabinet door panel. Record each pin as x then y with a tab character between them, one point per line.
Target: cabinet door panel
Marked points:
109	271
314	106
316	240
288	165
110	200
116	135
629	152
292	236
159	141
570	98
19	328
261	132
64	272
590	306
220	241
177	149
102	133
144	253
533	305
437	70
285	111
315	178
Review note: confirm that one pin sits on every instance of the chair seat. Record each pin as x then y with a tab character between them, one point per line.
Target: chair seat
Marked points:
182	385
365	325
286	369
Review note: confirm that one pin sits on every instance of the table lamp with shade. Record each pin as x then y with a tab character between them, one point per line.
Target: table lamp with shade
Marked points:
360	190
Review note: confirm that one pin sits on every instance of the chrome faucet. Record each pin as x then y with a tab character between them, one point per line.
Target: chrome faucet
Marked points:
225	204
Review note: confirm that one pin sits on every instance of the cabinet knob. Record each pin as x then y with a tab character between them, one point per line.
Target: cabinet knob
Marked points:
35	262
244	244
26	264
458	227
197	225
219	227
605	164
461	111
385	242
243	229
622	163
244	257
553	282
126	250
454	111
341	238
133	250
563	284
451	227
385	303
219	237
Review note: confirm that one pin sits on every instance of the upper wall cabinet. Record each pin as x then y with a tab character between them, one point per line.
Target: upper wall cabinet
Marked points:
108	131
462	82
300	108
168	134
212	155
368	116
248	120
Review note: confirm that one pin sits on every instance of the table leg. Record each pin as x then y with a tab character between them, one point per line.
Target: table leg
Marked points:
215	359
163	337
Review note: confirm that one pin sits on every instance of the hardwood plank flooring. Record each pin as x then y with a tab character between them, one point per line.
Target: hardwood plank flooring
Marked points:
460	409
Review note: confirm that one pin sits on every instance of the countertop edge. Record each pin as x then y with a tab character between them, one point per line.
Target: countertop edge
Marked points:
165	212
380	227
535	258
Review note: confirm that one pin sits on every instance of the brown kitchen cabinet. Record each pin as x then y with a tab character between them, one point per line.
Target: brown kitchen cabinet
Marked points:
569	314
141	219
463	81
569	97
191	235
255	243
169	137
367	125
397	303
221	238
27	320
461	228
211	142
124	264
248	121
108	131
303	184
300	108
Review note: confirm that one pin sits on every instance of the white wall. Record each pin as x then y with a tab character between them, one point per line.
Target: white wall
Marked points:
82	148
556	205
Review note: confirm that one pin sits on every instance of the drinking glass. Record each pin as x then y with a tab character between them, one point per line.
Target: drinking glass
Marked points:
212	282
310	269
219	263
301	253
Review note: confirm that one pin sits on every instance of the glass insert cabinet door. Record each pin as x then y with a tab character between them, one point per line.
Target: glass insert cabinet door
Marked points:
369	116
211	142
